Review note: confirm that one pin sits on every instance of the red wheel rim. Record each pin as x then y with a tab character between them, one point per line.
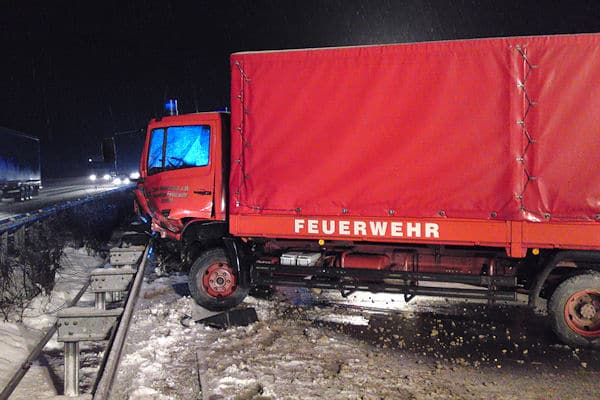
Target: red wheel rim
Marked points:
582	312
219	280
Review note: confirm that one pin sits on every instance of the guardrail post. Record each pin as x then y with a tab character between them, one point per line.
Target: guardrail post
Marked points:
105	281
3	247
81	324
19	236
100	301
123	257
71	384
126	256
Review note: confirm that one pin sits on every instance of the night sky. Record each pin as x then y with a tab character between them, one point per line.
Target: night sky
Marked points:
73	72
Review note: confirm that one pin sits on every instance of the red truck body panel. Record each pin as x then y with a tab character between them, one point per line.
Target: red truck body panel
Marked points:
490	139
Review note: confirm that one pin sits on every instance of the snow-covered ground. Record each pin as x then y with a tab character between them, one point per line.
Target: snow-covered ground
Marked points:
294	353
304	350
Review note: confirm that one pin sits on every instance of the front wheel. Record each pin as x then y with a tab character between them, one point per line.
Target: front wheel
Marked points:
213	282
575	310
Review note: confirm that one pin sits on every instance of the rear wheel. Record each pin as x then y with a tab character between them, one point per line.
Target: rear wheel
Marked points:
575	310
213	283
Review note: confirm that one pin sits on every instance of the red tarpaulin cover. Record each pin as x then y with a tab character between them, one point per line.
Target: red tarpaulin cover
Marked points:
504	128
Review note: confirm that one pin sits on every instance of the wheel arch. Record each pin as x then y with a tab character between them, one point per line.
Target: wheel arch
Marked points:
577	257
200	236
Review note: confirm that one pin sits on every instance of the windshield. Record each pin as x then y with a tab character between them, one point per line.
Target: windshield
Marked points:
178	147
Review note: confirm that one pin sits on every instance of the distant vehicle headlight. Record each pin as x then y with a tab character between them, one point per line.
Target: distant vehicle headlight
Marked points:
93	177
126	181
106	177
117	181
134	175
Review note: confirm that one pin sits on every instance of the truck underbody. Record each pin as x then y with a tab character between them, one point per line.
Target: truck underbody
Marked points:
482	273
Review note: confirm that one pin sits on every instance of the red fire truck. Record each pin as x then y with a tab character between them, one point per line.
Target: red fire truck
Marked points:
390	169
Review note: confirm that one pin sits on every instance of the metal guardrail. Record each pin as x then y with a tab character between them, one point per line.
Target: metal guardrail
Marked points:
11	224
16	227
35	353
109	368
110	362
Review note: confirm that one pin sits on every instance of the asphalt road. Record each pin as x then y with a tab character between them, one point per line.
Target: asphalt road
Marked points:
53	192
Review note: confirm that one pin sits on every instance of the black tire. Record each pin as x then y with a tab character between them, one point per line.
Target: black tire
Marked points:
215	258
558	312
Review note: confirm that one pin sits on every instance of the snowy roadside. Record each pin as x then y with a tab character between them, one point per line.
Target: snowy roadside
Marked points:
290	354
17	339
316	351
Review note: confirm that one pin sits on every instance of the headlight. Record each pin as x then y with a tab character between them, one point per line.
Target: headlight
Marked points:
134	175
117	181
106	177
93	177
126	181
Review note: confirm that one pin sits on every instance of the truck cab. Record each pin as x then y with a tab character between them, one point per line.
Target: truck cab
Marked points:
182	171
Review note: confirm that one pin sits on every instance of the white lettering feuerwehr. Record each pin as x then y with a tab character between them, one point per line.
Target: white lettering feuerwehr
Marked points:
332	227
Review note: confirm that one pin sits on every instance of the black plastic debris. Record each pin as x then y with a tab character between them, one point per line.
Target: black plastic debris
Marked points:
139	227
224	320
135	239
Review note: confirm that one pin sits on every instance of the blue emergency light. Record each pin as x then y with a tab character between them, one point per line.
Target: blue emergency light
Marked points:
171	107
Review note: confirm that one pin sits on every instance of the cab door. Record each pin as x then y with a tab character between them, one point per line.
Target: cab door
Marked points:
180	169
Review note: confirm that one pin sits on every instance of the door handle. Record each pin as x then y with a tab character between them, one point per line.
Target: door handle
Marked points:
203	192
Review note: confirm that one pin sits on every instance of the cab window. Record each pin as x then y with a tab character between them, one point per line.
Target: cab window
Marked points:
178	147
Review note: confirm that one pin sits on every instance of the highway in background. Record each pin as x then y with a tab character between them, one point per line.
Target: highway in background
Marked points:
56	191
